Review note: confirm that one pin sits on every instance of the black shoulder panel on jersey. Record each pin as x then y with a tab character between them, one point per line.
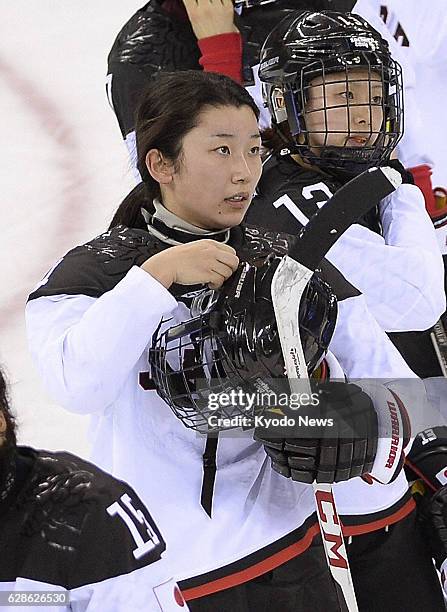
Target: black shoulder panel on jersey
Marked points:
259	242
74	525
99	265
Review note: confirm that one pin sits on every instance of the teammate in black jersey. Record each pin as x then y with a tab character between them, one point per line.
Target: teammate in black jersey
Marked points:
68	527
334	93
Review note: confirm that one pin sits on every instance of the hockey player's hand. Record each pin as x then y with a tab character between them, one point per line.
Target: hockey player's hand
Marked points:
356	437
210	17
205	262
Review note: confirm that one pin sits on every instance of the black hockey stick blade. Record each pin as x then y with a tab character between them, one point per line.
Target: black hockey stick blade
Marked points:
344	208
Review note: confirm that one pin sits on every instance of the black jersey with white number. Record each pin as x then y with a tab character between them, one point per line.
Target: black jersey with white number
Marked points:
66	525
308	188
391	254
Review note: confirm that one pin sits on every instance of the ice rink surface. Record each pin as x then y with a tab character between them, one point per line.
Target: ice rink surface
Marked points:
64	169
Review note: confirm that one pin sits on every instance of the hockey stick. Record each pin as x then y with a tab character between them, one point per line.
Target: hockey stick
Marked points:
288	284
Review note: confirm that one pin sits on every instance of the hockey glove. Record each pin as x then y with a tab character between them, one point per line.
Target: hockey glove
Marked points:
345	436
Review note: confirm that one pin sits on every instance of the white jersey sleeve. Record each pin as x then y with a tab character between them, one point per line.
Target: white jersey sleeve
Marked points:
401	273
143	589
85	347
362	347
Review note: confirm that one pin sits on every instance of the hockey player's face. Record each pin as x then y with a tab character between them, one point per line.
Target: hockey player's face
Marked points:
218	169
344	109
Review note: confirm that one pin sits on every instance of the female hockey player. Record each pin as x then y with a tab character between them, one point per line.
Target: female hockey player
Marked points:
241	536
72	537
334	94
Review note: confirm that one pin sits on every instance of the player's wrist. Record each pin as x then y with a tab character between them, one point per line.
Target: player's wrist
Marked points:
160	268
211	36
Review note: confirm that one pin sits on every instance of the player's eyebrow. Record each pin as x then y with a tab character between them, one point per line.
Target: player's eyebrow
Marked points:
257	135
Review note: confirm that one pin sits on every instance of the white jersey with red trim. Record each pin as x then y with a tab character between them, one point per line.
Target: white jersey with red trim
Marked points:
412	150
90	324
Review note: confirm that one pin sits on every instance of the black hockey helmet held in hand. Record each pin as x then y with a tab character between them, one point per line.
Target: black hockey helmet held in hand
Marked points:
234	347
251	339
312	45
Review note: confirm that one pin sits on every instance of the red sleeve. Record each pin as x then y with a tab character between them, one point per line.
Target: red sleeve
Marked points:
222	53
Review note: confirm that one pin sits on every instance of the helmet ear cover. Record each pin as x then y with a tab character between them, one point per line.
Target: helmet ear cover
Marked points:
293	114
236	347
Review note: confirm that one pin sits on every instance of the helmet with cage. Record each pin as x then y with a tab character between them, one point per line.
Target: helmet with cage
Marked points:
235	347
333	90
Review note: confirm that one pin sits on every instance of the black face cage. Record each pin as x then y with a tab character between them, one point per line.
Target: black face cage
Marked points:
190	367
288	104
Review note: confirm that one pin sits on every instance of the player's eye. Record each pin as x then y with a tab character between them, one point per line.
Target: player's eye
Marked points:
255	150
377	99
348	95
224	150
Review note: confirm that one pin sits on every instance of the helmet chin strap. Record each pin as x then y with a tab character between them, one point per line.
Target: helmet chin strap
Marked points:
332	159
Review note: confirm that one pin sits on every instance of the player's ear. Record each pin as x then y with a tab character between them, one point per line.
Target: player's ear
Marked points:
160	169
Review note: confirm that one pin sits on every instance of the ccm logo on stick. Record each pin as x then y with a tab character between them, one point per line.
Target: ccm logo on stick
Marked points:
331	527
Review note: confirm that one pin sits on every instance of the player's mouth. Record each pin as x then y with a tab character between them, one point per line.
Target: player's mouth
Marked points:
356	141
238	200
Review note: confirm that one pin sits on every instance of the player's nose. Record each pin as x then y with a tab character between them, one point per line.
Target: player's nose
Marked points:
361	117
241	171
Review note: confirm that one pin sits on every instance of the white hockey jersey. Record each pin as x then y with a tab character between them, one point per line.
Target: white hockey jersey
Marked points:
89	326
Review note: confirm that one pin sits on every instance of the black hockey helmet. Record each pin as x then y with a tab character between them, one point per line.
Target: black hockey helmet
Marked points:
235	347
307	45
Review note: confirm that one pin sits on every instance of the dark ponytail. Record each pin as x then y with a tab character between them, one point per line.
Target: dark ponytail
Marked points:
168	110
129	211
